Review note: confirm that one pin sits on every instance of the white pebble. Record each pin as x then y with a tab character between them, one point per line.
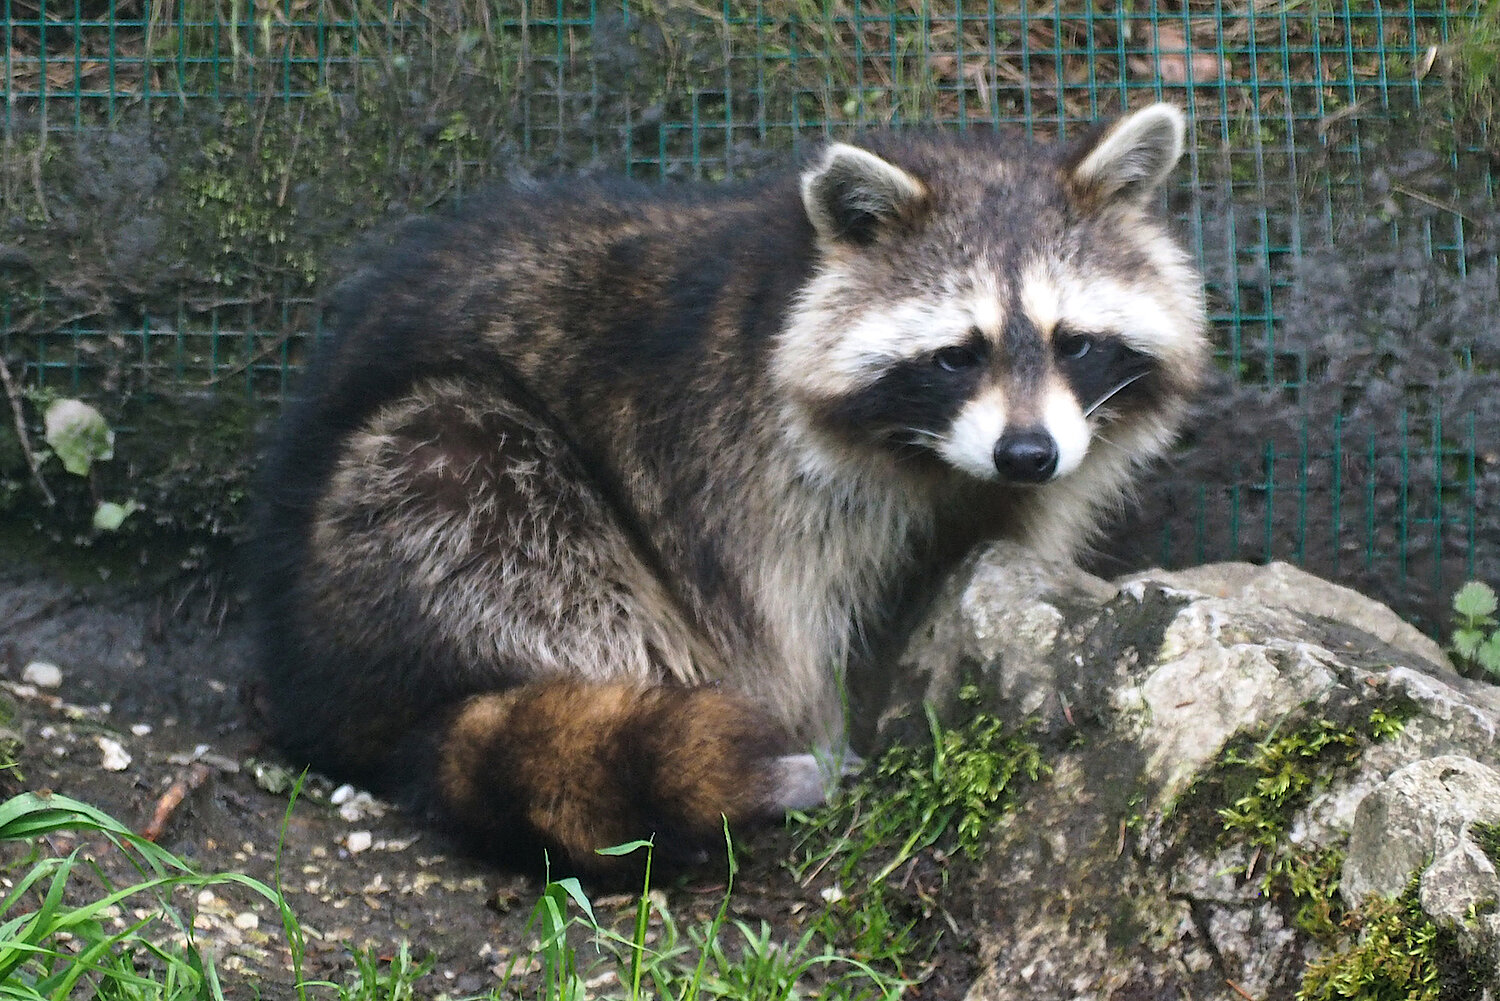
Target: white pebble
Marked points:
115	757
359	841
141	729
247	921
42	674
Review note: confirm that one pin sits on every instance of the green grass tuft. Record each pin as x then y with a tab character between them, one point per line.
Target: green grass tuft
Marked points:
917	810
52	948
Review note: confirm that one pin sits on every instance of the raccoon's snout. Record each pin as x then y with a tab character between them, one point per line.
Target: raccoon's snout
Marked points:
1026	456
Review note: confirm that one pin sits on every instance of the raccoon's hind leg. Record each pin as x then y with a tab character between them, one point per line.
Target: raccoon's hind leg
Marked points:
580	766
476	631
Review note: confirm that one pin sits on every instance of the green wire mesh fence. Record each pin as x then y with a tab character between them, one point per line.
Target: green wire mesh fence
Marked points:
178	177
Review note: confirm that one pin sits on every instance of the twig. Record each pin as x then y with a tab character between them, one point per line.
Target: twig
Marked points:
259	356
194	776
13	393
1240	990
807	880
1436	203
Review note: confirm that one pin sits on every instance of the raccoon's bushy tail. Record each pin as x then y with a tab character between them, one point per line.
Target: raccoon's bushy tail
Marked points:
572	766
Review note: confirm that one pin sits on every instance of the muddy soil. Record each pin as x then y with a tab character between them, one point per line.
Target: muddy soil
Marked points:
163	673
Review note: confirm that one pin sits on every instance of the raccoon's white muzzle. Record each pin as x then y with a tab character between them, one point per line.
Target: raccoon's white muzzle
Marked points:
982	443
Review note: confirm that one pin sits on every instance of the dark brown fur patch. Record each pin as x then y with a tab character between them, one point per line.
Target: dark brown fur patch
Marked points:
576	767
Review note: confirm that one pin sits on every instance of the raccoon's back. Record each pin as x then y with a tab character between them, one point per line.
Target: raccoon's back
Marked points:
569	286
613	317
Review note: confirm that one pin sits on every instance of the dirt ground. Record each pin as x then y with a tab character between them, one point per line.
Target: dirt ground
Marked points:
163	674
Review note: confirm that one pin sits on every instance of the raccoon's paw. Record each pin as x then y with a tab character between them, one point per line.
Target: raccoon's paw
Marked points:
797	783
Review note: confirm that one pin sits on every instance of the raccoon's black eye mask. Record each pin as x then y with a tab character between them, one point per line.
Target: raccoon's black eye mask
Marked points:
1099	367
961	358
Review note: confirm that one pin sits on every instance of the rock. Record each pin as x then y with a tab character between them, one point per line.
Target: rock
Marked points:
1421	812
1147	864
1423	820
42	674
1282	585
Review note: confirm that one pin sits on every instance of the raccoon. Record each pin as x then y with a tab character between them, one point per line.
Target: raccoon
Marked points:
598	489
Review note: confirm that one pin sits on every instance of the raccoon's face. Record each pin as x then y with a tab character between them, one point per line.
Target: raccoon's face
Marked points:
1002	312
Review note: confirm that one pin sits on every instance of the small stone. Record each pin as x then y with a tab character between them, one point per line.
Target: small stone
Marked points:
42	674
358	841
355	805
114	756
247	921
141	729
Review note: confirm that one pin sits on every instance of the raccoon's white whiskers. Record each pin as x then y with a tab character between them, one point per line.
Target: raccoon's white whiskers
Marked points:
1101	401
914	436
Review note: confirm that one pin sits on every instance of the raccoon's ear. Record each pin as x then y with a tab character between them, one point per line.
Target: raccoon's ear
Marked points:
1130	159
850	194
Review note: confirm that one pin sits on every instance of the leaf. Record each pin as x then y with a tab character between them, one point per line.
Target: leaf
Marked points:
1475	600
572	888
79	435
1489	656
1466	642
109	516
625	849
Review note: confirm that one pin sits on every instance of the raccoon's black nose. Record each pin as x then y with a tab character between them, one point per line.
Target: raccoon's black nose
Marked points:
1026	456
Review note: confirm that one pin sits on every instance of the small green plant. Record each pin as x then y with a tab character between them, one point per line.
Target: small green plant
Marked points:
550	921
1476	640
374	980
721	958
52	948
80	437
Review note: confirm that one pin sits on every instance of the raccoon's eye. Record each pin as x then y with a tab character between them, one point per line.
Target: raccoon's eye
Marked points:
956	359
1072	347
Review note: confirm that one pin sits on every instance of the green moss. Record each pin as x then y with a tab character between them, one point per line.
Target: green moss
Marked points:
1384	950
1278	775
1397	954
1310	883
272	195
1261	783
1487	837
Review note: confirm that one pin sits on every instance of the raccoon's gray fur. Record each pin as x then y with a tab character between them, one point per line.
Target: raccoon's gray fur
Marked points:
598	488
